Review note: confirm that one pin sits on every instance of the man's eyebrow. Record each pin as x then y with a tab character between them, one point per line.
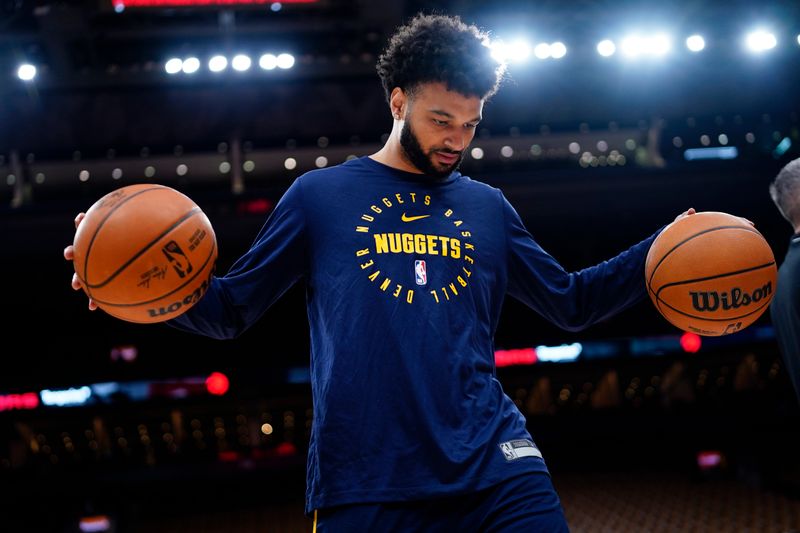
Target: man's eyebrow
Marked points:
448	115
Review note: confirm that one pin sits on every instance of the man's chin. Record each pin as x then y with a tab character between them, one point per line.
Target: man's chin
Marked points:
444	170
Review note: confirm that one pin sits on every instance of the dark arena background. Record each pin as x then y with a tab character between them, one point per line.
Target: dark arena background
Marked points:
615	117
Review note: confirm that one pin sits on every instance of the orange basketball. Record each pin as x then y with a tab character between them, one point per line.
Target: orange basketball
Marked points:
145	253
711	273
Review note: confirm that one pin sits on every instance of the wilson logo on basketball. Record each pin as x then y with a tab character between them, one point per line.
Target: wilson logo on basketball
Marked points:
709	301
190	299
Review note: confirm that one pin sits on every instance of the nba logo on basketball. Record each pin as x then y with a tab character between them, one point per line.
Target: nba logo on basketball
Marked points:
420	272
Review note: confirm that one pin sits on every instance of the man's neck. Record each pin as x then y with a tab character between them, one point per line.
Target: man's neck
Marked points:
392	154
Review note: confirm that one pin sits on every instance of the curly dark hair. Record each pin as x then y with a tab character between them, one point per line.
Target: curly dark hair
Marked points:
440	48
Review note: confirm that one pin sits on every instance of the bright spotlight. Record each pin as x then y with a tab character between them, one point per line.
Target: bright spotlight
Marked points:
516	51
268	61
695	43
519	51
26	72
241	62
631	46
761	41
558	50
217	64
191	65
658	45
285	61
606	48
174	65
655	45
499	51
542	51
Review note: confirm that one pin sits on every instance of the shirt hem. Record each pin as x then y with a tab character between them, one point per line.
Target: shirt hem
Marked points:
421	492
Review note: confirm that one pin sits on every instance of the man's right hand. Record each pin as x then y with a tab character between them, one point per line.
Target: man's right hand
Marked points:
69	254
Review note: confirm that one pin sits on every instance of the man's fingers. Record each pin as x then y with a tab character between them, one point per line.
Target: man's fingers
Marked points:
685	214
69	255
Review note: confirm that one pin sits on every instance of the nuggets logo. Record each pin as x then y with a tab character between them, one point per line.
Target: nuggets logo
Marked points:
397	225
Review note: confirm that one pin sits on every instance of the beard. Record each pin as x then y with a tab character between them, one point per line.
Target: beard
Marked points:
422	160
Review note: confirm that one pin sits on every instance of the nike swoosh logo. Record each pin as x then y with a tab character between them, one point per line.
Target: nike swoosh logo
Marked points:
405	218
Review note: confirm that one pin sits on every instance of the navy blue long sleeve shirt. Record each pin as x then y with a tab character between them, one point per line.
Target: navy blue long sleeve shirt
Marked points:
406	279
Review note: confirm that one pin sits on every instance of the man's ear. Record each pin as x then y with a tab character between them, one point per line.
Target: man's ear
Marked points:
398	103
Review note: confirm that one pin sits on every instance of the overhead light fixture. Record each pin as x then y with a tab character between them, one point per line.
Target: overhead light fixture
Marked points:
695	43
26	72
761	41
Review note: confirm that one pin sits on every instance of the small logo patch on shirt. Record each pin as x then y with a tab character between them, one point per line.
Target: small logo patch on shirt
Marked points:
420	272
406	218
516	449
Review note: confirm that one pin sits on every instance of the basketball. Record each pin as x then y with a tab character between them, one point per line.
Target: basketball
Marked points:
145	253
711	273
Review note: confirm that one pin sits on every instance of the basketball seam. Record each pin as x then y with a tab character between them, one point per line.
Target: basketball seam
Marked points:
125	265
176	289
726	274
659	301
100	225
717	228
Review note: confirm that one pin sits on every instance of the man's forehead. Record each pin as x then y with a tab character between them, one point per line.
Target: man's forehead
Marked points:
437	97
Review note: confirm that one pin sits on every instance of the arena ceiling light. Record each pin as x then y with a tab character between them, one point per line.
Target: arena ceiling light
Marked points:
760	41
191	65
268	62
516	51
606	48
656	45
26	72
695	43
241	62
558	50
542	50
217	63
285	61
555	50
173	65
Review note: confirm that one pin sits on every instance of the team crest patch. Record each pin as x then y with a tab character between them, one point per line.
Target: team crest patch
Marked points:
421	272
516	449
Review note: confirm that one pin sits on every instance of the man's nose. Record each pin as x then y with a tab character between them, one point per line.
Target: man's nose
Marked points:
456	142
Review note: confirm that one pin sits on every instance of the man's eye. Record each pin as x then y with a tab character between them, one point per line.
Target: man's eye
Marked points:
439	122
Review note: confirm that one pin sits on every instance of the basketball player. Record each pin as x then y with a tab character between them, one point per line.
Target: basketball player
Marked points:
785	306
407	263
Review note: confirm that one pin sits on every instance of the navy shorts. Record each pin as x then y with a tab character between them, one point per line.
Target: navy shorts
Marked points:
523	503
